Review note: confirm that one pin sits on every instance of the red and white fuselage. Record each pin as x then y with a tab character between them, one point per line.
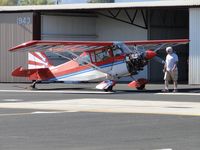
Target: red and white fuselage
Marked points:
73	71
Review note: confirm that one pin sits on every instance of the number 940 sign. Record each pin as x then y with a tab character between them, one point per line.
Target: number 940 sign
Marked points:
23	20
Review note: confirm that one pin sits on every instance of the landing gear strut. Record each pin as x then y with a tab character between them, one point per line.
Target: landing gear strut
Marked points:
109	89
106	85
33	85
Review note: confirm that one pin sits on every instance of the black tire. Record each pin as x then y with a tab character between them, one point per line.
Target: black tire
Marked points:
33	85
109	89
142	87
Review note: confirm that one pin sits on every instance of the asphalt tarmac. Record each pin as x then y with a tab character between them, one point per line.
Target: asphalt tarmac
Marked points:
60	117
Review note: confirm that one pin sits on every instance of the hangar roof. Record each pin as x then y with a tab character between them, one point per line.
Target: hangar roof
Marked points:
90	6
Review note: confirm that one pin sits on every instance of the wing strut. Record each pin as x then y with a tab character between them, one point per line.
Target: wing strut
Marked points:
162	45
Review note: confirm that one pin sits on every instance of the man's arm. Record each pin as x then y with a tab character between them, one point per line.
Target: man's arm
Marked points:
175	66
164	68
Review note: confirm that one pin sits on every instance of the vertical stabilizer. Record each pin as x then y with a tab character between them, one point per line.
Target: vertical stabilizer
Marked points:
38	60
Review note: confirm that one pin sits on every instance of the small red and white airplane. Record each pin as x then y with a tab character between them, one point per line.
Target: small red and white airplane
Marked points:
90	61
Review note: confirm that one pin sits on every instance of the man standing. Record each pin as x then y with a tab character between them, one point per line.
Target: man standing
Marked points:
170	69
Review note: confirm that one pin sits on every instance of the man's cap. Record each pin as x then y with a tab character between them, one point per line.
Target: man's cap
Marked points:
169	49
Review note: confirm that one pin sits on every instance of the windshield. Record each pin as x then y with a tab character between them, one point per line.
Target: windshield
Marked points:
123	47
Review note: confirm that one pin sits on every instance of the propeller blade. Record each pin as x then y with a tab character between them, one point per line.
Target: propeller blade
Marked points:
159	60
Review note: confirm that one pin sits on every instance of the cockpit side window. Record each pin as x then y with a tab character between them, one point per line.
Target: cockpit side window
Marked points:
86	58
102	55
83	59
117	52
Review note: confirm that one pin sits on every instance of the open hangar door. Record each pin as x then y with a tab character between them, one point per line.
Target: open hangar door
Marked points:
67	26
101	25
169	24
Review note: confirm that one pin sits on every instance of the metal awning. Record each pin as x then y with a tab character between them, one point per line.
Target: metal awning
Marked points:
95	6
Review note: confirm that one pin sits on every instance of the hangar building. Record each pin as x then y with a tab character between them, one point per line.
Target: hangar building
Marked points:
101	22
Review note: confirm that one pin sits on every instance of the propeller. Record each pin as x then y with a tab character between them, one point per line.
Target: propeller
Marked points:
159	60
149	54
152	55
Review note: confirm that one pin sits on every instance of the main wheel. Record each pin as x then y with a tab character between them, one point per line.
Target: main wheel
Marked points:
141	87
33	85
109	89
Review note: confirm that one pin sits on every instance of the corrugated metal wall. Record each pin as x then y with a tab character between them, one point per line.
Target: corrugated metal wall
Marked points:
194	53
15	28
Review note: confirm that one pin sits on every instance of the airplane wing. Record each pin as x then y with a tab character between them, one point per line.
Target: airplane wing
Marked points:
156	44
82	46
60	46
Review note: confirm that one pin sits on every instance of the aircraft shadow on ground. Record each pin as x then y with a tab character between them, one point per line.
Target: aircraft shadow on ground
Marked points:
185	90
97	92
80	90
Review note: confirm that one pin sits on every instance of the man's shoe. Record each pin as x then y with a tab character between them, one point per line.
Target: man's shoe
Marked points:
175	90
165	90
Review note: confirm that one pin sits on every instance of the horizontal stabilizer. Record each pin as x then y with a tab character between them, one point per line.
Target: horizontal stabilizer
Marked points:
20	72
33	74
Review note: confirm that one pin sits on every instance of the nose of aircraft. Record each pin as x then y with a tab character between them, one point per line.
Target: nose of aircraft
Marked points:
149	54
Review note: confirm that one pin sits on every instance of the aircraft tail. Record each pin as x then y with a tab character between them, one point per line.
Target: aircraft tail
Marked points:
38	67
37	60
33	74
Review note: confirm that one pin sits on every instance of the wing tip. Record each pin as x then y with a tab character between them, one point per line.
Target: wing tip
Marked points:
23	45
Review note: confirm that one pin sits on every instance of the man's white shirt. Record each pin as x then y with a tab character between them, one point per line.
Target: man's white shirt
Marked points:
170	61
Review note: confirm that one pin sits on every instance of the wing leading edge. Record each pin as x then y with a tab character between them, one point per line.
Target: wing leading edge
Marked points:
60	46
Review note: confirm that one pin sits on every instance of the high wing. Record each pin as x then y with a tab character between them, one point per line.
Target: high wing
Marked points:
156	44
82	46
